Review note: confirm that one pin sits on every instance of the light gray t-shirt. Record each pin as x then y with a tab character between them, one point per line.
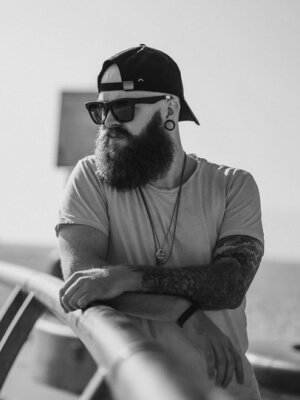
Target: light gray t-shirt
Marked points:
216	201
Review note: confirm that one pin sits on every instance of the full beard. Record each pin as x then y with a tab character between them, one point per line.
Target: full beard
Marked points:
144	158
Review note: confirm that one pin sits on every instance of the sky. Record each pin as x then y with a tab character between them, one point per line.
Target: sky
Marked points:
240	63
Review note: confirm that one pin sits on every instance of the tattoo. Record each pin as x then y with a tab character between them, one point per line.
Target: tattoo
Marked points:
221	285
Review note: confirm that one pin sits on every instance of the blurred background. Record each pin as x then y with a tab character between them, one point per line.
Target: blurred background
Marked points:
240	63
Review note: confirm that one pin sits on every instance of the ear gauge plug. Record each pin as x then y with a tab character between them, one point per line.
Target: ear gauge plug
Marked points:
169	125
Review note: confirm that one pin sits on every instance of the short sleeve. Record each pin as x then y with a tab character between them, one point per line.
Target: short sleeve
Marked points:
83	199
242	214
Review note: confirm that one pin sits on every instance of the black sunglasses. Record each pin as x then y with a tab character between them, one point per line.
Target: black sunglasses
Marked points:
121	109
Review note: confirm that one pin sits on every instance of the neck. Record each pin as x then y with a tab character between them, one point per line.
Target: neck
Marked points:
172	178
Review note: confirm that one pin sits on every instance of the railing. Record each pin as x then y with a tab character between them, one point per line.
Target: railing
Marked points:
133	367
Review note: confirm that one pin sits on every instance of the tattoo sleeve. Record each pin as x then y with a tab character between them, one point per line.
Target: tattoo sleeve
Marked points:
221	285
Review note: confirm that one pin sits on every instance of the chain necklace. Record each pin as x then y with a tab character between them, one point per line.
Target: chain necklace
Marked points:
160	255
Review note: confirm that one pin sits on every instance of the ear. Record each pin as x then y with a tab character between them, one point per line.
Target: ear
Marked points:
173	108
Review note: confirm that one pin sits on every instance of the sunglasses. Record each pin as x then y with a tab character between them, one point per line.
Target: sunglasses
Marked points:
121	109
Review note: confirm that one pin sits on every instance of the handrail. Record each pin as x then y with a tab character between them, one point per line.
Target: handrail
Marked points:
134	367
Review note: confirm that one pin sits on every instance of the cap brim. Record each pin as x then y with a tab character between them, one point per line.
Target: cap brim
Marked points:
186	114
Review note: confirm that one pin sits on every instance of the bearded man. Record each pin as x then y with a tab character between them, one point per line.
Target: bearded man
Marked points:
170	239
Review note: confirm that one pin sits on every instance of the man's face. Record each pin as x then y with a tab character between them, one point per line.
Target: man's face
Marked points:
141	158
131	154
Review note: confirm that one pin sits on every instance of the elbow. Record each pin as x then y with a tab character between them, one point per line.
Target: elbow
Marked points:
233	305
235	293
234	300
229	302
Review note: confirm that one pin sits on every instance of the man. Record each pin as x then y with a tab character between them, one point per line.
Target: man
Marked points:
171	240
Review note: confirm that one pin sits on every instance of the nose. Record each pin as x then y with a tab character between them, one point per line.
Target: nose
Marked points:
110	120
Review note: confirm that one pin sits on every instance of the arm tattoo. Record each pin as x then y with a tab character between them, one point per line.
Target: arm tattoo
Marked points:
223	284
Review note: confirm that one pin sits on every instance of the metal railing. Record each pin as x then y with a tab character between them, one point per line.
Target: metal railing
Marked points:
134	367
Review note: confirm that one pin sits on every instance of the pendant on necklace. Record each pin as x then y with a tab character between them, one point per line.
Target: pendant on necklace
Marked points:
160	256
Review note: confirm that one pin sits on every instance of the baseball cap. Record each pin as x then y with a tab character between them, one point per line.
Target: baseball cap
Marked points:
147	69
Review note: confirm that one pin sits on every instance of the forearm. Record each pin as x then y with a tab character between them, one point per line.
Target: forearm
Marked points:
151	306
221	285
214	287
144	305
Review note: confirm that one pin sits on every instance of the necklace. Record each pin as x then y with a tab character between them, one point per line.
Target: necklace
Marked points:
160	255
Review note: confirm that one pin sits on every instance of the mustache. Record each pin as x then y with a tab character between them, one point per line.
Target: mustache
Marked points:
115	132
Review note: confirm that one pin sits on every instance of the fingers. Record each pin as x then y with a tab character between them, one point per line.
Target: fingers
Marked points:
62	304
67	291
210	362
82	302
239	368
228	362
69	299
230	368
221	365
69	282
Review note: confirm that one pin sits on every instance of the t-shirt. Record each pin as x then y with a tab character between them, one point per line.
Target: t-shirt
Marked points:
216	201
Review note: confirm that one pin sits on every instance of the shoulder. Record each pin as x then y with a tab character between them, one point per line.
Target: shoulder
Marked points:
87	163
222	176
86	169
84	179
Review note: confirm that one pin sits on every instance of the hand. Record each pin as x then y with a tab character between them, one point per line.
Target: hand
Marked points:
222	359
87	286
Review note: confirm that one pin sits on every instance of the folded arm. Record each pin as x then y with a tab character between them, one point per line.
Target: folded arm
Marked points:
83	248
220	285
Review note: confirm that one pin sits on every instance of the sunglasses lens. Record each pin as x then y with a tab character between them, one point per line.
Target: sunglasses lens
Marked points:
97	113
123	111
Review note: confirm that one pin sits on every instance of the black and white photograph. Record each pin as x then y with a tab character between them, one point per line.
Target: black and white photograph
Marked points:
149	211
